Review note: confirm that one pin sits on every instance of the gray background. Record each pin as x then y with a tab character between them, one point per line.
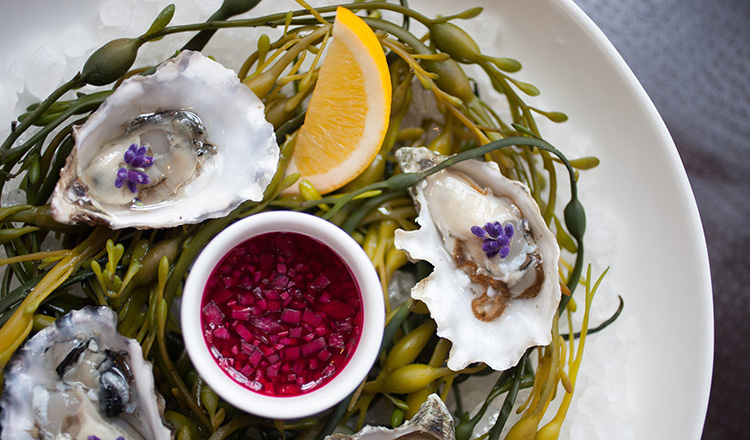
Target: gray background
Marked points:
693	59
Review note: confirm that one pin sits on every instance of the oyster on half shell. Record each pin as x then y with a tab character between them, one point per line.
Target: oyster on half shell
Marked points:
187	143
495	287
78	378
431	422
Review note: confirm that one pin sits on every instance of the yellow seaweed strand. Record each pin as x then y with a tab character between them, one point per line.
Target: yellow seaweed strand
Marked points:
551	431
45	255
526	427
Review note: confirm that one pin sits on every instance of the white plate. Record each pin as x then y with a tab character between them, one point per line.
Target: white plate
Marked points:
643	220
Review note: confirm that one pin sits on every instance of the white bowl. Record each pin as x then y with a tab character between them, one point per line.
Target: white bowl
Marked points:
373	309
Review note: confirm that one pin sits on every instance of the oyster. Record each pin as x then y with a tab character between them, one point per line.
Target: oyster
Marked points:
188	143
78	378
495	287
431	422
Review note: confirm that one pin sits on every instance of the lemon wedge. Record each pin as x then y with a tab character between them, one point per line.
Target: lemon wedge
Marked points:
347	117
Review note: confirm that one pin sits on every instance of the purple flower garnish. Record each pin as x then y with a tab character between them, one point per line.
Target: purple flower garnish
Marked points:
133	173
496	238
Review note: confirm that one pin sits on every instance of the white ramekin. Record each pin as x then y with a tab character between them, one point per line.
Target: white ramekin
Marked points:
353	373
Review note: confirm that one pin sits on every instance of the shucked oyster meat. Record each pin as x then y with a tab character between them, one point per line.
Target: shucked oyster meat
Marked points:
187	143
495	287
78	378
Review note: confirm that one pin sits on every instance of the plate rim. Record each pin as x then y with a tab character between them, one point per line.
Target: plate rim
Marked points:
701	391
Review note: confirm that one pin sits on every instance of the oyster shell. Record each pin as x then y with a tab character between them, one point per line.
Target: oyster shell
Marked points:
431	422
79	377
208	148
493	297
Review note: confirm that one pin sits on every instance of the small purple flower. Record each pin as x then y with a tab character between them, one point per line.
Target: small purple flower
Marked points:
133	173
496	238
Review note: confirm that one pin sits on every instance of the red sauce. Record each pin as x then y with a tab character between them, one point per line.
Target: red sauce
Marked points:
281	314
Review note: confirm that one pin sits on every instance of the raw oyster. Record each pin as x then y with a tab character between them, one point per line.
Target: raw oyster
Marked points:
431	422
189	142
78	378
495	287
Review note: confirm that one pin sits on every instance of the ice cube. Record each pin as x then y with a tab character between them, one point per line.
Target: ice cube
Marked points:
45	70
116	13
8	101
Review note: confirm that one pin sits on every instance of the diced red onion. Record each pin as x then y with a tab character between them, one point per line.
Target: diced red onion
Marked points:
270	317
